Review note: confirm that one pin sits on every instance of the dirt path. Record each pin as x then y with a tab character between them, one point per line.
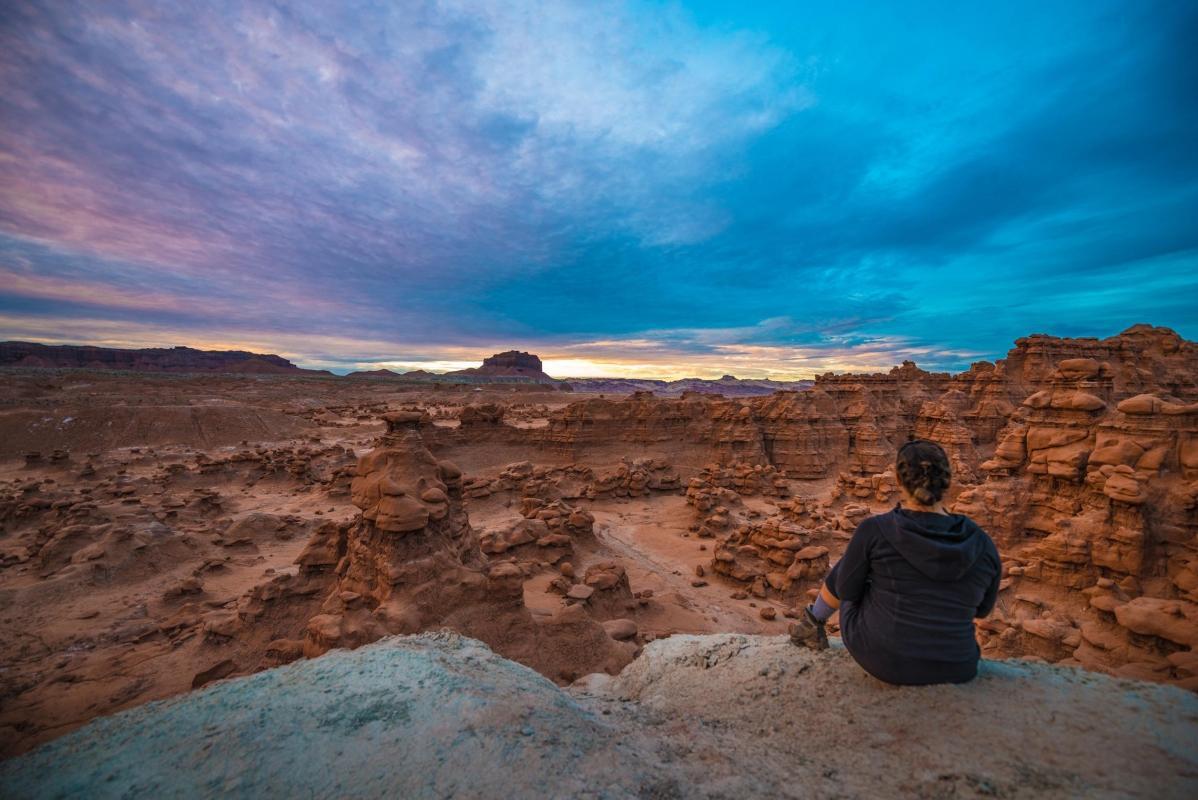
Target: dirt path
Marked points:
647	536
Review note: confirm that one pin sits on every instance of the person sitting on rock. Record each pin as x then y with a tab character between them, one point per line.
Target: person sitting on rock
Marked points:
910	583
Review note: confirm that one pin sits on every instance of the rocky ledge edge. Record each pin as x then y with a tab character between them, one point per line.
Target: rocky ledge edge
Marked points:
440	715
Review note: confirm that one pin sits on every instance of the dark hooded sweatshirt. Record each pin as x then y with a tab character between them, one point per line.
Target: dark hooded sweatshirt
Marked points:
910	585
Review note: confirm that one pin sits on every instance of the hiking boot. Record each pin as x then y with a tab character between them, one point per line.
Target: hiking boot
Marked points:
809	632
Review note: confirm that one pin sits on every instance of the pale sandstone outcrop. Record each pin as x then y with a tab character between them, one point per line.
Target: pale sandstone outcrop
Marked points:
440	715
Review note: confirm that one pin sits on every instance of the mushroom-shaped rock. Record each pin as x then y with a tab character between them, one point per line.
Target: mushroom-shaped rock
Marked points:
1141	404
1079	368
1113	450
401	514
1041	399
620	629
811	553
434	495
1078	401
398	421
505	569
580	592
1124	488
1174	620
606	575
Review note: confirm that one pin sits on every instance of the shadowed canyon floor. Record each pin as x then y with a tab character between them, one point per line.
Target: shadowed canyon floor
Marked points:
161	532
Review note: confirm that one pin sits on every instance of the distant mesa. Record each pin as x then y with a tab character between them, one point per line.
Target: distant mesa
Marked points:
512	366
155	359
387	374
376	373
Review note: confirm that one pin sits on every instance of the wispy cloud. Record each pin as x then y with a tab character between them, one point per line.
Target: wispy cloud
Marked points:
634	186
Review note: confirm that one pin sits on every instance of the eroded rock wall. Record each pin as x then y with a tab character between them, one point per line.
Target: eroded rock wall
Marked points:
1080	456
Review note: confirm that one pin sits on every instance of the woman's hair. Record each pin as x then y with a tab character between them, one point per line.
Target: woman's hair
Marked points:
923	470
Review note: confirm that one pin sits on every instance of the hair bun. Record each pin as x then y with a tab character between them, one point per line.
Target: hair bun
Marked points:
923	470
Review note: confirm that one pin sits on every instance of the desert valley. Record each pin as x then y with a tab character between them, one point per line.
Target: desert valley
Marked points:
164	530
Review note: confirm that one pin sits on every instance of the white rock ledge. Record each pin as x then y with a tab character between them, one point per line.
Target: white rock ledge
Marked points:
439	715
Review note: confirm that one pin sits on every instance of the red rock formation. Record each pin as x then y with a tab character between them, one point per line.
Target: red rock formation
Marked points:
772	557
635	478
1079	455
412	562
855	423
482	415
1141	359
1092	491
844	422
640	419
632	478
546	533
742	478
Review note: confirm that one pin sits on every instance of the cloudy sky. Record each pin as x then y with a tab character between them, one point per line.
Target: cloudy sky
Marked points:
633	188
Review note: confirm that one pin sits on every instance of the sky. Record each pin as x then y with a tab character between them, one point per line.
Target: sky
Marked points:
648	189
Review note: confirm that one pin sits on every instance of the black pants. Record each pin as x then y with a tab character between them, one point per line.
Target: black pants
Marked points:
886	666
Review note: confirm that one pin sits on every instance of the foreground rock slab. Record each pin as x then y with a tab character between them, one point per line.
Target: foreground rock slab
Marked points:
440	715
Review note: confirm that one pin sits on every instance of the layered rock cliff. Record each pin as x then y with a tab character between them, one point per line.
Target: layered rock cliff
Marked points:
1080	456
854	423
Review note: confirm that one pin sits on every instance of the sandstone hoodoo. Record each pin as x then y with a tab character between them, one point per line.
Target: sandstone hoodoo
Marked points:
412	563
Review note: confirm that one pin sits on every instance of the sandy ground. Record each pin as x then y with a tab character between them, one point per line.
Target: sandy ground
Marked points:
650	538
696	716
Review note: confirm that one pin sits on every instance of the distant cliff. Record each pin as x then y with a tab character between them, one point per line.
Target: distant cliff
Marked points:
728	386
514	366
156	359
